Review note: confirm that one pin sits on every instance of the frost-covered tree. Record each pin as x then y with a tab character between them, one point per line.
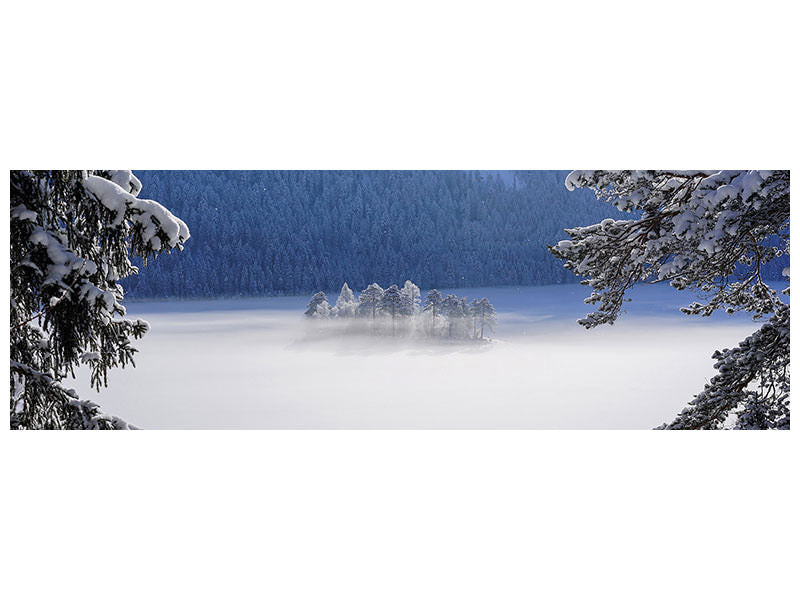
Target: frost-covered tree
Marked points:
411	296
346	303
392	304
484	315
472	314
464	317
710	231
433	304
369	300
453	311
73	234
318	306
346	295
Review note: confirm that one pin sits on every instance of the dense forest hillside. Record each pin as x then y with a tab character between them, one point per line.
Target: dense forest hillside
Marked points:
295	232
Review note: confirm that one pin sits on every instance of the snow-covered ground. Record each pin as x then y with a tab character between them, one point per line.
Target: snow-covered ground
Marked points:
258	363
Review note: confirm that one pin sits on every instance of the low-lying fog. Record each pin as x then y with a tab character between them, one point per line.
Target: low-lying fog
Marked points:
258	363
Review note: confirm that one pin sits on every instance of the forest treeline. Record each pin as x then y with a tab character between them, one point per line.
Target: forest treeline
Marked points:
295	232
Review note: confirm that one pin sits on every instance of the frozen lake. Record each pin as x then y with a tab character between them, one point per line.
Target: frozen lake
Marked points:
257	363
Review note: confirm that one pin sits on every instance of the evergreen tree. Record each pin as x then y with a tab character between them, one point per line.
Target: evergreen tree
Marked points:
411	297
73	234
369	300
717	232
453	311
318	307
433	304
484	315
464	317
473	314
391	303
345	303
346	295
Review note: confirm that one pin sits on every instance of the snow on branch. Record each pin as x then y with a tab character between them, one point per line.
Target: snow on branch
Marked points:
709	230
753	383
154	223
73	234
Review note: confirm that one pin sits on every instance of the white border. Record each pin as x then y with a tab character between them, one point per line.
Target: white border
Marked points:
374	514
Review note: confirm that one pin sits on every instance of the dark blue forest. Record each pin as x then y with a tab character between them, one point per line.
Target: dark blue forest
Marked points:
296	232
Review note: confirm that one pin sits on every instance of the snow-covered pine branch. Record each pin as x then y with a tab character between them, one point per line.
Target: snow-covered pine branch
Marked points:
752	384
73	234
711	231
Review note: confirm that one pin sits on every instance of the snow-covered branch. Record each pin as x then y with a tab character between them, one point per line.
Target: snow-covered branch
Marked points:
710	231
73	234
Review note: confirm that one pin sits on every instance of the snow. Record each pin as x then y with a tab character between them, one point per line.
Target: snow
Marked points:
707	246
92	294
176	230
112	196
62	260
150	215
259	363
90	356
127	181
22	213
